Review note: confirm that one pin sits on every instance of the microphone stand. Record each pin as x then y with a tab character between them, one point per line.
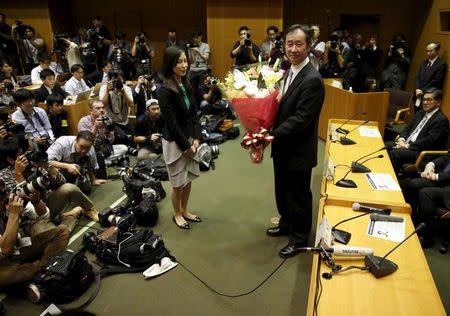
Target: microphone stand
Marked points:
342	236
344	140
360	168
346	183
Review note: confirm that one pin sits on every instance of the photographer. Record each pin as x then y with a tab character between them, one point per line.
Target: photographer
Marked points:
76	84
198	54
317	48
30	45
7	46
145	90
211	99
148	132
34	119
48	87
103	129
29	175
118	99
244	51
63	47
6	92
6	72
143	53
266	47
396	66
21	260
120	54
75	157
335	57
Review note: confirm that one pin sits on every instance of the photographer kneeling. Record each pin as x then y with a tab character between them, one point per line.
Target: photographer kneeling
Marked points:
148	132
31	177
211	99
75	156
21	259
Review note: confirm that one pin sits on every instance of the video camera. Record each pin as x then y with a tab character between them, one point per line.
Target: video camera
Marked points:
278	42
20	28
92	35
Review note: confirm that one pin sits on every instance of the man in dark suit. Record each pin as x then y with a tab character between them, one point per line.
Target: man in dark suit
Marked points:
427	131
430	191
431	73
294	148
48	87
99	76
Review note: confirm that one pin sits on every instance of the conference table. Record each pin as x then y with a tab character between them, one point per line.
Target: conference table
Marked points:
408	291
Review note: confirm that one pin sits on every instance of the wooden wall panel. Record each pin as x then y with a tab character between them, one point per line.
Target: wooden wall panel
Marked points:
224	17
431	32
34	13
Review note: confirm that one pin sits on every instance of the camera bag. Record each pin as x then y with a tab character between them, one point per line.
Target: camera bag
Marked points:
65	277
153	167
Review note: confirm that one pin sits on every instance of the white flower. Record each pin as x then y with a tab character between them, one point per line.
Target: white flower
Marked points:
251	90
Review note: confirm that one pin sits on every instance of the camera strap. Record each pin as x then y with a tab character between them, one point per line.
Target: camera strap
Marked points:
29	120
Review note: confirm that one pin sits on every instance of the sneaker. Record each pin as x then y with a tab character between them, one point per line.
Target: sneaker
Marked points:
33	293
92	214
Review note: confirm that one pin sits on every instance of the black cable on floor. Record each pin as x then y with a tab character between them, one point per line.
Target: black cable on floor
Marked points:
235	295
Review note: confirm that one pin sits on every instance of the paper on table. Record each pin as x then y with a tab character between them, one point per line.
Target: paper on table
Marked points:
394	231
382	181
369	132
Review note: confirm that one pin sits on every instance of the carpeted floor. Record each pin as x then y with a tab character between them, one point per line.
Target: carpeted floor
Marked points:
228	250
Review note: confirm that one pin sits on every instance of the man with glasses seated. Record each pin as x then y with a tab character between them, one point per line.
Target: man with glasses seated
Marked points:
76	84
427	131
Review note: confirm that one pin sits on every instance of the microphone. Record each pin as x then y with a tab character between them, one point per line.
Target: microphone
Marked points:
341	250
364	208
344	140
342	236
344	131
380	267
346	183
385	218
358	167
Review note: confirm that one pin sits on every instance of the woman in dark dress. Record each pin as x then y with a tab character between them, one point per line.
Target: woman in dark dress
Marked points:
181	133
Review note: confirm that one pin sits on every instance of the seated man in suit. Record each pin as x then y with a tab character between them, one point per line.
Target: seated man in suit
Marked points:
430	191
49	86
99	76
431	71
427	131
57	115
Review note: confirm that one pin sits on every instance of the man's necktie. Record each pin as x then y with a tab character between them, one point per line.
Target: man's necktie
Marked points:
288	82
429	65
413	135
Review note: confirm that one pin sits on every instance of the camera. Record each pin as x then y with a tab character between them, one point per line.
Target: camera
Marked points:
247	41
37	182
117	160
142	39
213	81
8	87
13	128
36	155
278	42
93	35
114	75
334	41
105	120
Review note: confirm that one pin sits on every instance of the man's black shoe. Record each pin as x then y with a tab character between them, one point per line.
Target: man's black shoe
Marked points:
276	232
292	249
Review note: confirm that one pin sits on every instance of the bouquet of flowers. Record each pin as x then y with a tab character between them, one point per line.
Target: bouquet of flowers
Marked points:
253	93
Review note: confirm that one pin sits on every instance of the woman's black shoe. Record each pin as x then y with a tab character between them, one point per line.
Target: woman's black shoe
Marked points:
182	226
196	219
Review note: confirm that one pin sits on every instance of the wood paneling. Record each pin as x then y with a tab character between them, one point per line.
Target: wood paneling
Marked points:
34	13
224	17
431	32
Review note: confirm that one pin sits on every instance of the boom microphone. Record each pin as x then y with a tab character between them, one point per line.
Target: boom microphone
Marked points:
344	140
358	167
344	131
381	267
364	208
385	218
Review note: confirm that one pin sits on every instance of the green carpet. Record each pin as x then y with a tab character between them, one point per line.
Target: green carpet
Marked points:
228	250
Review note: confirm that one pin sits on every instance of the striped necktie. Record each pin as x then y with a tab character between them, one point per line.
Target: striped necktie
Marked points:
412	137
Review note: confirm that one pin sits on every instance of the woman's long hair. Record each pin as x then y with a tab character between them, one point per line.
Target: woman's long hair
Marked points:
170	60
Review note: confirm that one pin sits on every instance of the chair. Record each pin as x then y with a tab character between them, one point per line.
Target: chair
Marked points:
427	155
443	215
399	109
